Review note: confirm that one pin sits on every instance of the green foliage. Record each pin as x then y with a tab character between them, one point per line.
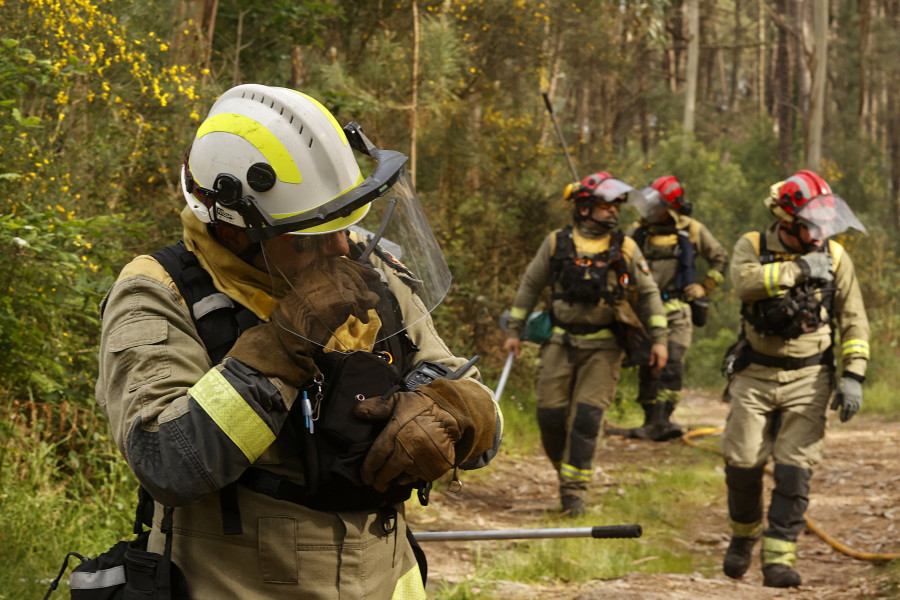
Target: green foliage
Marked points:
63	488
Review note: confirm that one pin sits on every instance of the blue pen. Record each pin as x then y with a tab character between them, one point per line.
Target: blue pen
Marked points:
307	413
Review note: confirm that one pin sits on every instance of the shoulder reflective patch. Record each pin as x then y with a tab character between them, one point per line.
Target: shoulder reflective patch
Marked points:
644	267
104	578
232	414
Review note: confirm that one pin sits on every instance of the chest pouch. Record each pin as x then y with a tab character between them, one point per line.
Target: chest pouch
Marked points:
334	447
792	314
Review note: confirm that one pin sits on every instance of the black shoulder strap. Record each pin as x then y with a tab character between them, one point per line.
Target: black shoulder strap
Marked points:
766	256
640	236
218	318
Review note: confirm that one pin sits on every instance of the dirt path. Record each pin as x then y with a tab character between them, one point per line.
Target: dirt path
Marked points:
855	498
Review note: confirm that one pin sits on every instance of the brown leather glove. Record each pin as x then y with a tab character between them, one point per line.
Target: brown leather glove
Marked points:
431	430
325	295
693	291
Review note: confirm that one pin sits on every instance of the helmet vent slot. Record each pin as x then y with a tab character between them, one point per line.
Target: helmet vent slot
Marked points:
311	142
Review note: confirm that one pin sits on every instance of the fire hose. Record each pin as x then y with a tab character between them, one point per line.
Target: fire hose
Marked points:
687	438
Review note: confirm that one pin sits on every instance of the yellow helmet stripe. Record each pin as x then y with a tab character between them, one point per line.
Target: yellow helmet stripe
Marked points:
327	113
262	139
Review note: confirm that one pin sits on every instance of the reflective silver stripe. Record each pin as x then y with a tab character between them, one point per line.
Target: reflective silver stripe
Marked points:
204	306
105	578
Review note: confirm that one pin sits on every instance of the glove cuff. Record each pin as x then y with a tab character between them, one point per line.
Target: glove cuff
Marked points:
853	376
804	267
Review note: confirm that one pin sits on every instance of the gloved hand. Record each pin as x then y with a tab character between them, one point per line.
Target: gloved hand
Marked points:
431	430
693	291
849	398
325	296
817	265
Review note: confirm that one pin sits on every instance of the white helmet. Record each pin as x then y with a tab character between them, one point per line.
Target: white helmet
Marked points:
275	161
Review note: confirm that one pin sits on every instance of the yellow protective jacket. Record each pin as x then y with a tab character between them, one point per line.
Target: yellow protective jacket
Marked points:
660	247
644	294
185	441
754	281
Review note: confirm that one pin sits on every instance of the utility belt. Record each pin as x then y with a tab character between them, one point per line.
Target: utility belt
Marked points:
790	363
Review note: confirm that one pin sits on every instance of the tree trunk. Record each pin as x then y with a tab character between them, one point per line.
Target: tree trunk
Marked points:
690	92
816	116
414	103
761	59
862	109
783	89
735	58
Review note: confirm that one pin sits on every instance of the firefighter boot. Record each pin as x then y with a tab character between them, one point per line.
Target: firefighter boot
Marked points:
668	429
738	556
650	416
572	505
780	576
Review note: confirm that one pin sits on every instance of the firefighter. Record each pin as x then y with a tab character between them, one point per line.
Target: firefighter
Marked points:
671	241
599	281
254	375
799	293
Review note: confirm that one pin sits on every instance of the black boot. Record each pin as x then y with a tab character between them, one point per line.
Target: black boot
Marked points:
651	416
667	430
780	576
738	556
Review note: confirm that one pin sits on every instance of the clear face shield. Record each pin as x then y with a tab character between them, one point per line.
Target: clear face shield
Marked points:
649	204
828	215
391	248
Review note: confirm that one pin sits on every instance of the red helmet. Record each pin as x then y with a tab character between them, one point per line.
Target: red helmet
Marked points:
805	198
672	194
798	189
599	186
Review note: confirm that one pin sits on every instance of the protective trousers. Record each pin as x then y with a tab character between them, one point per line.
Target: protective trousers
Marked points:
778	413
573	388
665	386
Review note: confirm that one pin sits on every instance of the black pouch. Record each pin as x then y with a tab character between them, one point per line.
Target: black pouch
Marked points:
127	571
636	343
699	311
334	452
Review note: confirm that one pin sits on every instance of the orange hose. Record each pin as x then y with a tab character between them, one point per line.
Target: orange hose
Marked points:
812	525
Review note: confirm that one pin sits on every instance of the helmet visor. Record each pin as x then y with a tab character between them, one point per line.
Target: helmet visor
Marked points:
649	204
399	257
828	215
613	190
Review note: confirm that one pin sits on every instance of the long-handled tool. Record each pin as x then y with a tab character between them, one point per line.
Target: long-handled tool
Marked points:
559	133
504	376
597	532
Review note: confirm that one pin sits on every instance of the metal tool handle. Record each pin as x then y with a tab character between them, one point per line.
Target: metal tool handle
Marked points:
598	532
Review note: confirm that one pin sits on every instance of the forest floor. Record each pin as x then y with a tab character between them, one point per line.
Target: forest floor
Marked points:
855	499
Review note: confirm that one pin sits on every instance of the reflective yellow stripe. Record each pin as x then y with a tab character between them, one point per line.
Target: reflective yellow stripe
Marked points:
597	335
327	113
673	305
855	346
518	313
715	276
746	530
232	414
572	473
658	321
664	395
778	552
771	272
409	587
262	139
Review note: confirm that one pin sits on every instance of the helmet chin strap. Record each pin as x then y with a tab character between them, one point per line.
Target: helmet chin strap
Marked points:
794	231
